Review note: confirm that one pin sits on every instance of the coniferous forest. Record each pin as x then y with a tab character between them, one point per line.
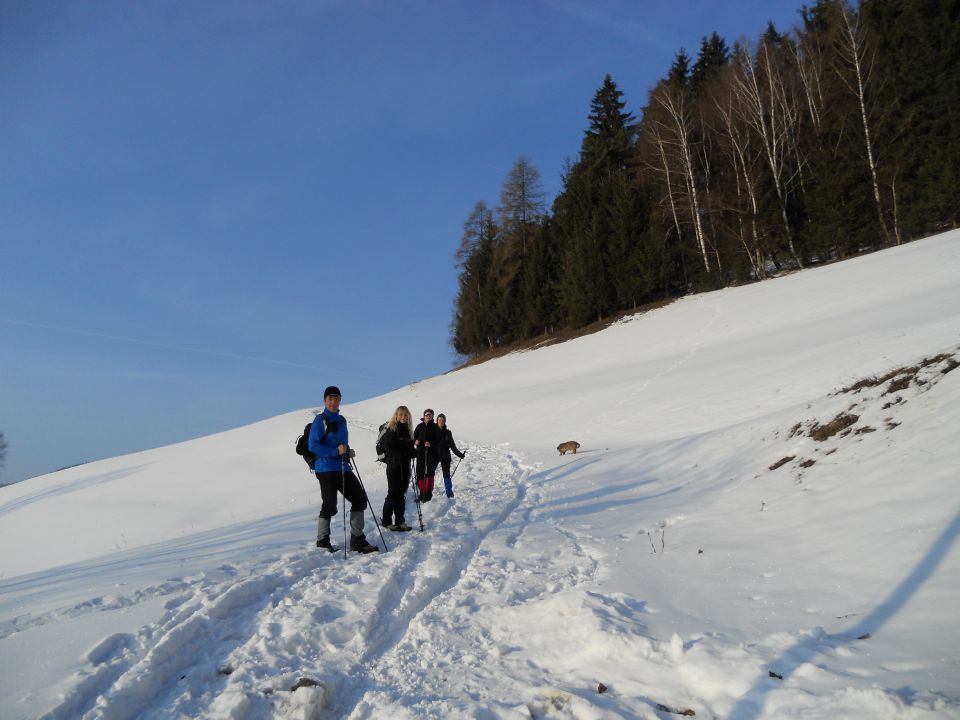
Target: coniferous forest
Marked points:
839	136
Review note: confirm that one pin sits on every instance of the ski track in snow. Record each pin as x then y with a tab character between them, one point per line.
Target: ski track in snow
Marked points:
98	604
443	656
236	647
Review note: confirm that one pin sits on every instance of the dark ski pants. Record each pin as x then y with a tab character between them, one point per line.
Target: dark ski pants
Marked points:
398	480
333	482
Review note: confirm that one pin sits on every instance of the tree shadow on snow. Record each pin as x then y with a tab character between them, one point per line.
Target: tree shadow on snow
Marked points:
592	508
67	488
278	533
560	472
751	704
603	497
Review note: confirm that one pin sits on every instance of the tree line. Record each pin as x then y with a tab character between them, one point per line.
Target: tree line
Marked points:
837	137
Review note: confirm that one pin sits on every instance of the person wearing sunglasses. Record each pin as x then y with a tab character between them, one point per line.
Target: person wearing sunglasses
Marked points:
425	439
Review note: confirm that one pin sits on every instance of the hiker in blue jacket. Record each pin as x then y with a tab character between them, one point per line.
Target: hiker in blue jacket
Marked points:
329	441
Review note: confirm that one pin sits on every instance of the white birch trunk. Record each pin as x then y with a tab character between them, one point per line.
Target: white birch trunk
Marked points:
858	56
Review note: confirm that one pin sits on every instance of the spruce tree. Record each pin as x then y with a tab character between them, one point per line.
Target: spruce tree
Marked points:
608	141
712	58
474	325
679	74
586	209
919	54
537	312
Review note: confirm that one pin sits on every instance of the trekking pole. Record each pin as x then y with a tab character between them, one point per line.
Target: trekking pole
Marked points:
367	497
416	492
343	492
457	466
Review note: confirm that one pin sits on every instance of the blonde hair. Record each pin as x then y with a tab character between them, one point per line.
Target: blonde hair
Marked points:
396	416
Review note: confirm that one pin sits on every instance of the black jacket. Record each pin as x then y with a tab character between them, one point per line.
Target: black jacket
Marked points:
399	445
445	444
427	433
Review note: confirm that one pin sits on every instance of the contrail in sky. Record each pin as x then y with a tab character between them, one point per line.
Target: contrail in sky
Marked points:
184	348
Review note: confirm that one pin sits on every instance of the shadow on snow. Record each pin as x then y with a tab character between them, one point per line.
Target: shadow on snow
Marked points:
751	704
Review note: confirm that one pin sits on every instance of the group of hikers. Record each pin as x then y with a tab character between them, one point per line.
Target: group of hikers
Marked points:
430	444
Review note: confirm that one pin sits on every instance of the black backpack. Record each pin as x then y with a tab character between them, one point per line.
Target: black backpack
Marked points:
303	449
382	443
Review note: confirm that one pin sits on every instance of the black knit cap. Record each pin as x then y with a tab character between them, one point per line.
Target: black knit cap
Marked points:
332	390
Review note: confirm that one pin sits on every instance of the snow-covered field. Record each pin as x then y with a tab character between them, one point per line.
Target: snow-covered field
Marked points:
761	522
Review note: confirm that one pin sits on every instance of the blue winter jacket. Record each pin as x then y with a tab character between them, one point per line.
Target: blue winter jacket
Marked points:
328	456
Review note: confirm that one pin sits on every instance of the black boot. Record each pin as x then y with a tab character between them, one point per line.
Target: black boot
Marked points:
325	544
358	543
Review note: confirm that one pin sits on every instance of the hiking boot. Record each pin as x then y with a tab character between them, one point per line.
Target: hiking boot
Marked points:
325	544
402	527
427	497
385	523
358	543
450	494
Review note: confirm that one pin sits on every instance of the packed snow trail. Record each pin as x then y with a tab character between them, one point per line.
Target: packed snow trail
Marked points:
236	648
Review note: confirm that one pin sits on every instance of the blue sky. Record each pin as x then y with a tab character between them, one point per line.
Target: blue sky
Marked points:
210	211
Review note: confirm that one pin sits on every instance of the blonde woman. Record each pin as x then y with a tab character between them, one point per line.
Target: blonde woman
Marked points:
398	442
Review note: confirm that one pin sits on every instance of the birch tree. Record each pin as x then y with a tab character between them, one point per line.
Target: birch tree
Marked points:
808	57
858	58
743	155
659	165
765	102
671	126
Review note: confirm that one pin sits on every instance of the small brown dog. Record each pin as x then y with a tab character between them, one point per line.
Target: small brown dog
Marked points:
568	446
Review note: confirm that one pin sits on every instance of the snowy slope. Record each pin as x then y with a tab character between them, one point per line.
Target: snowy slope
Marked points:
760	523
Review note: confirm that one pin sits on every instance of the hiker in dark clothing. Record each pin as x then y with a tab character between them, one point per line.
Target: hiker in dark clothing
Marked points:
425	439
329	441
446	445
398	442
